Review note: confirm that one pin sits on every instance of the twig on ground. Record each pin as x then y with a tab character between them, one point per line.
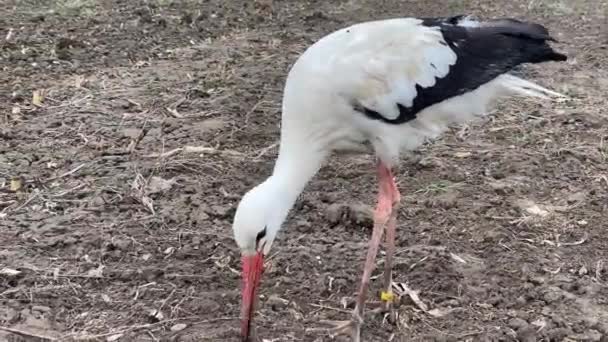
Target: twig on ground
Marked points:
30	199
192	149
72	171
28	334
144	326
266	149
325	307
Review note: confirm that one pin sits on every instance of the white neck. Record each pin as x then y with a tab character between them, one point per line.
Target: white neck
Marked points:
294	168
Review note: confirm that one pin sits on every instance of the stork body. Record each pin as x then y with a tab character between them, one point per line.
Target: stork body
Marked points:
390	85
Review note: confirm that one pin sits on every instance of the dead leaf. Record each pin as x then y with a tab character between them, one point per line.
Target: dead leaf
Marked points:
149	203
79	81
113	338
174	113
462	154
540	323
96	272
37	98
9	272
440	312
133	133
403	289
178	327
209	125
158	184
536	210
532	208
16	184
583	271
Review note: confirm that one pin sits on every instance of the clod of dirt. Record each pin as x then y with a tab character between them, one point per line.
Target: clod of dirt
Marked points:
329	197
501	187
350	214
517	323
334	213
577	197
207	305
37	18
558	334
525	331
210	125
221	211
9	315
145	17
603	328
151	273
201	216
186	18
303	226
430	163
590	335
120	244
447	200
276	303
64	47
132	133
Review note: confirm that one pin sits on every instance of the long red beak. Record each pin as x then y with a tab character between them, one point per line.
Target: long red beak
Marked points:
252	272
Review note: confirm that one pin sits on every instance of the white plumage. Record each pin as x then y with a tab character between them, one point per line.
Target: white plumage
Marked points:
393	84
347	66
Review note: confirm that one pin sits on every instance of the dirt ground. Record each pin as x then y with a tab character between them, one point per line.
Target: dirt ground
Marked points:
130	129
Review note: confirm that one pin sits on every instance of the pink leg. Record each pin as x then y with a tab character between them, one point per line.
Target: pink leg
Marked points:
384	217
391	227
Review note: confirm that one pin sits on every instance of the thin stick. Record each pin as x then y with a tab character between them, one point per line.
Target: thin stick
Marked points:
329	308
149	325
27	201
266	149
67	173
193	149
28	334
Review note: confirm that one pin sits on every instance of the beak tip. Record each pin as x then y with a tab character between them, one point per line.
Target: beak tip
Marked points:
252	271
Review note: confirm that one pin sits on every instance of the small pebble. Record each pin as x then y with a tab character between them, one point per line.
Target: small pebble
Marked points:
276	302
41	308
178	327
517	323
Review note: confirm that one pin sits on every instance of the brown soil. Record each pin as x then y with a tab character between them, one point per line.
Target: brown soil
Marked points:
106	234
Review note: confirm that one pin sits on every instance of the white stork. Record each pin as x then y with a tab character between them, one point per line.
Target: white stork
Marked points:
390	85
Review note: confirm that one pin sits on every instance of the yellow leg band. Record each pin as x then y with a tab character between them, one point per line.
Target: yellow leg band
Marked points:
387	296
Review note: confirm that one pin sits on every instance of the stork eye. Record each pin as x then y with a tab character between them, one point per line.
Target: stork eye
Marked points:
260	236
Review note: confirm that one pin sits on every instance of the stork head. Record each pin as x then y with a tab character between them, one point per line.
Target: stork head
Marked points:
258	218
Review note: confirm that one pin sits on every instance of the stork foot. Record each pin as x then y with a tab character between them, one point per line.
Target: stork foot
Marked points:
350	328
387	310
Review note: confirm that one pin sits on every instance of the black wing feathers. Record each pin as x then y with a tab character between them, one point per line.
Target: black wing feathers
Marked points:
483	53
